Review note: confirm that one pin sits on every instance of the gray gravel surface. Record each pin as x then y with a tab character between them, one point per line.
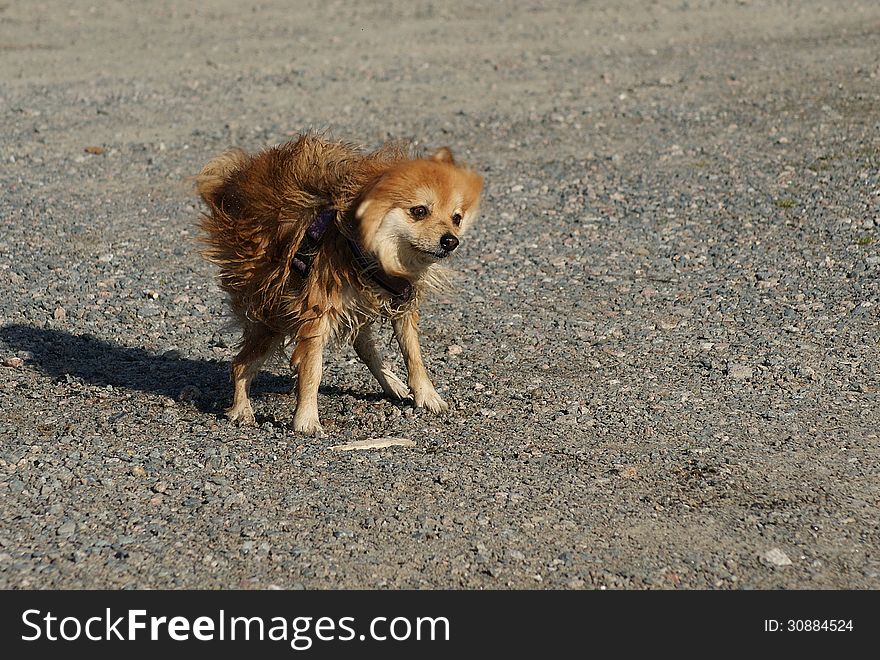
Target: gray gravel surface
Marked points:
661	352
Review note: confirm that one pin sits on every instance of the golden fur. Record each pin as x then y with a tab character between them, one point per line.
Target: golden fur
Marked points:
259	208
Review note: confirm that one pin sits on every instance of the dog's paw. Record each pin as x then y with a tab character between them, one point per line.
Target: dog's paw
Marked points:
430	400
394	387
242	413
308	424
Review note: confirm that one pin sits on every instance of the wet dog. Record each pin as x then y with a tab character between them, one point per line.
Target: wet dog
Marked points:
317	240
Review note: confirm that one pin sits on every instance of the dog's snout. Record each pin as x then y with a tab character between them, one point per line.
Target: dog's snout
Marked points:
448	242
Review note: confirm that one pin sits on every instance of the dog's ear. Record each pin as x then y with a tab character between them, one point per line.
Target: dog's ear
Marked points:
443	155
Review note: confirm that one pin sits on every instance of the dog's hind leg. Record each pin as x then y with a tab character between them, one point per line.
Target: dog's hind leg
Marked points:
368	352
256	345
307	359
407	333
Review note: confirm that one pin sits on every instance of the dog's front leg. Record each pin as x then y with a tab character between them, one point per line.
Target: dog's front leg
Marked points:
407	333
307	359
368	352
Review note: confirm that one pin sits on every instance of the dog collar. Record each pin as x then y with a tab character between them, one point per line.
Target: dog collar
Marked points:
401	290
302	260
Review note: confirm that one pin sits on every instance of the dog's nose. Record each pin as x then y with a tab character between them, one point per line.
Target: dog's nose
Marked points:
448	242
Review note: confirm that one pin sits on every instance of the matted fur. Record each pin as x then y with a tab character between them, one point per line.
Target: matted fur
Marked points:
259	207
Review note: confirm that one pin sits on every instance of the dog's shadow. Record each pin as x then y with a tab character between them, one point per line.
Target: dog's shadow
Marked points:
86	358
60	354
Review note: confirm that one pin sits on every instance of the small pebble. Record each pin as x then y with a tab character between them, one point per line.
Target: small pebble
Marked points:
66	529
776	557
739	371
236	499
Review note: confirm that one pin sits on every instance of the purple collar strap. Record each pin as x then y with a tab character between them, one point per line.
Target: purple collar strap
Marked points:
302	260
401	290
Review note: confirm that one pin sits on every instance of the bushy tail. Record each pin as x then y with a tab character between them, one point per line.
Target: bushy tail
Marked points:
214	176
221	232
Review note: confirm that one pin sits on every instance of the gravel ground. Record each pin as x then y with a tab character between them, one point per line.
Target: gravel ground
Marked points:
662	350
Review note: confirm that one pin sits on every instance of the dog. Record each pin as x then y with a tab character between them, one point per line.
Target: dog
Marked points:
317	240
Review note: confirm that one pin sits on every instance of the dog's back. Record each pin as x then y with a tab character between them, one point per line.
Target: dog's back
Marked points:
260	206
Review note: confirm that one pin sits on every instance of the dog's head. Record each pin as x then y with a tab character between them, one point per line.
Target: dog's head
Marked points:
415	213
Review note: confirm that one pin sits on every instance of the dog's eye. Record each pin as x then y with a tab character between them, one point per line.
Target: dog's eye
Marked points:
456	219
419	212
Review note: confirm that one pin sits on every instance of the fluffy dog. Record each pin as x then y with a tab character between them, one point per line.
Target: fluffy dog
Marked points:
317	240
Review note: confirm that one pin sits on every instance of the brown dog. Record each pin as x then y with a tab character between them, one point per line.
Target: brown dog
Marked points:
317	240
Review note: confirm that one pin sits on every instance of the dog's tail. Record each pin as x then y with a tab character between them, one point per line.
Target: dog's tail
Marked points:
222	232
216	174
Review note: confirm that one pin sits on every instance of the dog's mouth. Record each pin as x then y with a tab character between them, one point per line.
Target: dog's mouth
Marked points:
434	254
